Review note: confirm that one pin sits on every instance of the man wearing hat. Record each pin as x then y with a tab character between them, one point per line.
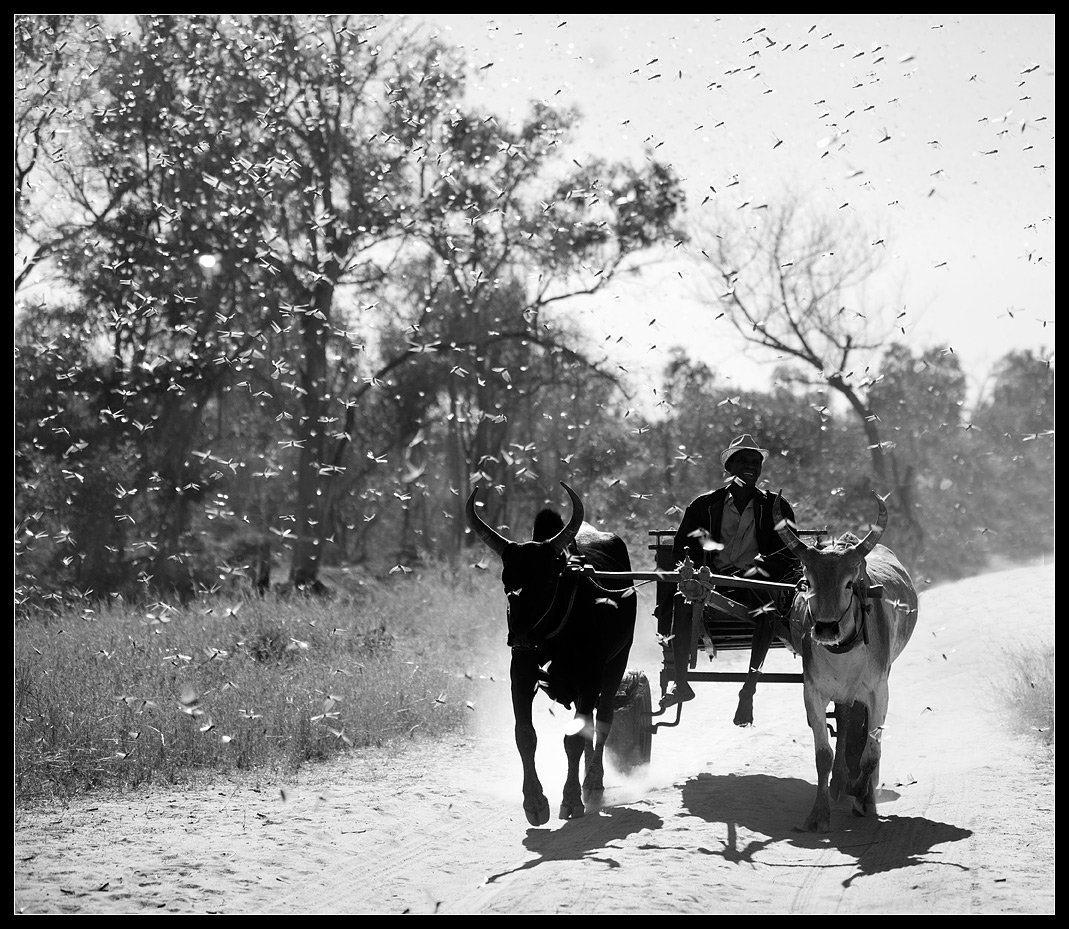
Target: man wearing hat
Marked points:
731	530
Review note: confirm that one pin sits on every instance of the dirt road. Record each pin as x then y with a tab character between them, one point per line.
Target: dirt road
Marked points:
966	810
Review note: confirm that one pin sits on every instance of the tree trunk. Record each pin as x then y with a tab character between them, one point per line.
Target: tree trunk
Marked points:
311	481
910	538
868	423
459	470
909	533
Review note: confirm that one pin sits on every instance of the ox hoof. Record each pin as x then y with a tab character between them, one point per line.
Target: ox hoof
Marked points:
863	807
593	797
572	810
861	786
594	782
819	818
537	811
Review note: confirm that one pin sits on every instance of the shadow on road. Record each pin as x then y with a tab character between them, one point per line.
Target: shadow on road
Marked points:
577	838
774	807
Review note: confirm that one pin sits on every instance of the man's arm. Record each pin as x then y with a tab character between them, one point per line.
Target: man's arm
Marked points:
683	540
780	562
679	540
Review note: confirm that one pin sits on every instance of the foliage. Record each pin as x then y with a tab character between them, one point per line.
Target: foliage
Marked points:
282	213
284	297
308	298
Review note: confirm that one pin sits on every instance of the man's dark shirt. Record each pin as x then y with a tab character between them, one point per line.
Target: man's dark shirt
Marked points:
706	512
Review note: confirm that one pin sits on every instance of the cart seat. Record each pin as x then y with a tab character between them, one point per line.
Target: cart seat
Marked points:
727	629
731	632
727	633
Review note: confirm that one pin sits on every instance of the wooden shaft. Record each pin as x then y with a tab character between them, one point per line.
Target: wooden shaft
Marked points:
775	677
874	592
672	577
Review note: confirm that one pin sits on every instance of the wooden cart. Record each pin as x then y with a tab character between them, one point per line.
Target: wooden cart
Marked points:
720	625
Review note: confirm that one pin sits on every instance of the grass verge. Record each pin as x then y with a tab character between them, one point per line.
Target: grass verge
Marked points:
1030	692
119	696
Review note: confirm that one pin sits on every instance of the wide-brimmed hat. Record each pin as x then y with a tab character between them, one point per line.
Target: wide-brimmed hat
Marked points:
742	443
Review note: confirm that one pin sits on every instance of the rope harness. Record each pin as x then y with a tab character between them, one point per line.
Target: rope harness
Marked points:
562	601
561	605
556	679
859	598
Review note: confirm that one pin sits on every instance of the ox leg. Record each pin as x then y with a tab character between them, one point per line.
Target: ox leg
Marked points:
864	788
593	757
594	775
839	774
571	806
524	683
819	819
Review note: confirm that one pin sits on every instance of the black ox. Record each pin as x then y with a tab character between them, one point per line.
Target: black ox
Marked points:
569	635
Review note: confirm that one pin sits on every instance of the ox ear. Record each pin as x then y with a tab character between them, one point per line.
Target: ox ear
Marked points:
873	536
493	539
566	536
785	531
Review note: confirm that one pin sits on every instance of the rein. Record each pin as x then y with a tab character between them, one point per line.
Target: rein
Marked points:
534	638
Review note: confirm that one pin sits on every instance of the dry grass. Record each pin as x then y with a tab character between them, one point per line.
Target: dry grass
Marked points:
120	696
1031	691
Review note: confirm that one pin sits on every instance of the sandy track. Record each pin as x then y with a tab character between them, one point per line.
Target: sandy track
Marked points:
966	807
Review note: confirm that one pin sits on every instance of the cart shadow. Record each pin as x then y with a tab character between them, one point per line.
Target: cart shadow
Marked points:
774	807
576	839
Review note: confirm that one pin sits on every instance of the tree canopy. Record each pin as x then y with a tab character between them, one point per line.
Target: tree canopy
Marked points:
284	296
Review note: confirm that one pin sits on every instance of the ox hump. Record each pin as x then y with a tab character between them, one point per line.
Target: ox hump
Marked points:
591	535
606	551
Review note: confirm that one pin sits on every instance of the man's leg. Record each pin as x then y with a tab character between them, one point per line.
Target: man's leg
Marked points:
680	690
762	639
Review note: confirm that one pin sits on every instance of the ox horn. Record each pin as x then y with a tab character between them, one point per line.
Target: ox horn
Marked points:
784	531
493	539
868	543
565	537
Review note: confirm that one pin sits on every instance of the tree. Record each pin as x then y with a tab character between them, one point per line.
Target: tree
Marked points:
65	455
268	179
1016	425
786	281
56	56
1021	403
498	243
936	460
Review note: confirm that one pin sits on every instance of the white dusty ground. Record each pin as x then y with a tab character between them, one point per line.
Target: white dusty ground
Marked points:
965	825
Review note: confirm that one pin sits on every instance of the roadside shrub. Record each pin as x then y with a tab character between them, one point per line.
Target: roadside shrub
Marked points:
1030	691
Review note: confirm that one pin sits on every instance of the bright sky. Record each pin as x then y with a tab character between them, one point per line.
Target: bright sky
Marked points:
938	132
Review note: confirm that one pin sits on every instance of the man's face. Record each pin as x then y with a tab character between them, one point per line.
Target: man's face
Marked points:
745	467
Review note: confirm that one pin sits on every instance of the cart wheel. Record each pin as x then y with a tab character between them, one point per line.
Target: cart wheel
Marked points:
630	740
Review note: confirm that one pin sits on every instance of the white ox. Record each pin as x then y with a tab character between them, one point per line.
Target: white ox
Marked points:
848	641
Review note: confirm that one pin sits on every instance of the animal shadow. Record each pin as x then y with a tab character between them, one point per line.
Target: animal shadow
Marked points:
773	807
576	839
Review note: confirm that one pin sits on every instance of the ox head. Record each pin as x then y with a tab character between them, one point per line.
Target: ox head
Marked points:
530	571
834	574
